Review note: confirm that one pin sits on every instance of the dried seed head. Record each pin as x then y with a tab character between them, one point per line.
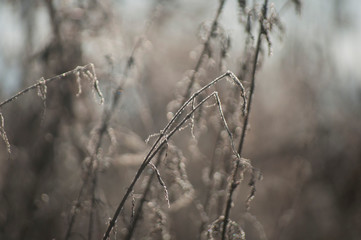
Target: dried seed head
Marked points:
234	231
3	133
42	89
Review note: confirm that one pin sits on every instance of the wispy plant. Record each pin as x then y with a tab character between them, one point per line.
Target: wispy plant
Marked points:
206	49
146	191
168	131
3	133
81	72
217	117
238	165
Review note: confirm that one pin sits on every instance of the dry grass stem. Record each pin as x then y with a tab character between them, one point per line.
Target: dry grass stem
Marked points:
86	70
238	164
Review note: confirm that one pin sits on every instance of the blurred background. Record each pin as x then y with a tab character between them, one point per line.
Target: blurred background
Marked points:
304	134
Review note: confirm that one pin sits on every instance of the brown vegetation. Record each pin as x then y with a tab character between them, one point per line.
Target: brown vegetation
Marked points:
168	147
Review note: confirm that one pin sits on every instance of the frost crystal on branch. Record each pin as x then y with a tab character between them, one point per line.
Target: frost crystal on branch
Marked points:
3	133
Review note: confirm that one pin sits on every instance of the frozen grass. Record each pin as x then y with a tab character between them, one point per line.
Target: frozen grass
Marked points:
161	186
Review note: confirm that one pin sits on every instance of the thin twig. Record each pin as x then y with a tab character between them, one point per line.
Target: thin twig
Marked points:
204	50
46	81
146	191
92	207
90	173
88	71
233	185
